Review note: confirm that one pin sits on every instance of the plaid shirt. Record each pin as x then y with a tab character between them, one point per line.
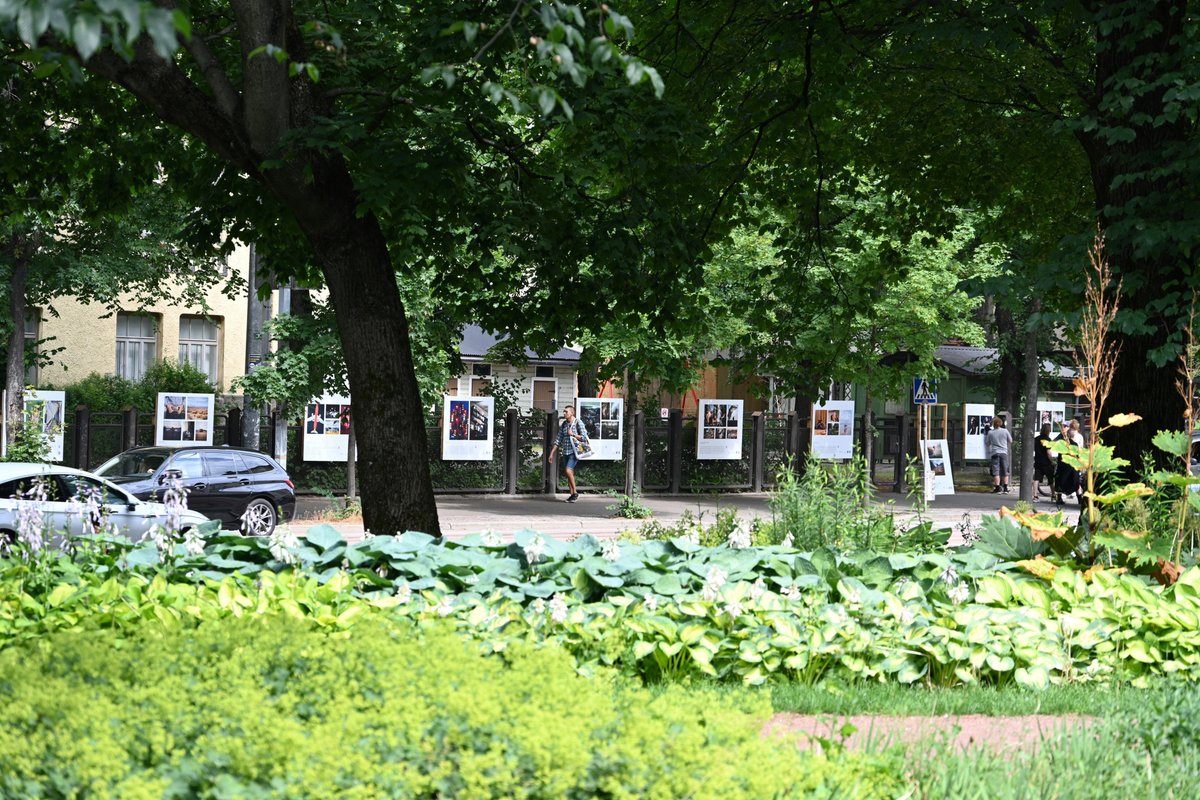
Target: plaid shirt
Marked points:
565	442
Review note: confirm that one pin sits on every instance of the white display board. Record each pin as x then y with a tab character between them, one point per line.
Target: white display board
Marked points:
327	428
977	425
935	456
1052	412
832	429
604	420
467	428
183	419
51	419
719	429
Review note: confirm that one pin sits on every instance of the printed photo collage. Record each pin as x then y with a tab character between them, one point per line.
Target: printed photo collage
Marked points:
1054	417
721	421
828	422
937	458
601	420
327	418
469	421
186	418
978	424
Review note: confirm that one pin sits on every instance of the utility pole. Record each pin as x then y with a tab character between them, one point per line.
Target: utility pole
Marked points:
281	422
258	313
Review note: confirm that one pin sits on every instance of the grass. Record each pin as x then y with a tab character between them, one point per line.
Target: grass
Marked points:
894	700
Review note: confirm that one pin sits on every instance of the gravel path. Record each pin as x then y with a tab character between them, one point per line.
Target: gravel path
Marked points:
1001	733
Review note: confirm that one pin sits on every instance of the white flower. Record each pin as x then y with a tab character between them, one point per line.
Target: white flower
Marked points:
611	550
175	500
691	537
713	583
949	575
558	608
959	593
193	542
792	592
852	595
733	609
538	606
31	521
788	541
739	537
492	538
650	602
757	589
445	607
404	592
472	579
161	537
535	548
907	616
281	543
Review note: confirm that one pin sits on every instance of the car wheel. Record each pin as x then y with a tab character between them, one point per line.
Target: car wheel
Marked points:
259	519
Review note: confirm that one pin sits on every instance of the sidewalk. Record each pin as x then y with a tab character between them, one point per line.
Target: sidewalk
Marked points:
462	514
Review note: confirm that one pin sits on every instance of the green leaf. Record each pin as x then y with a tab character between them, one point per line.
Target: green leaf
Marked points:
86	33
323	536
1006	540
1176	443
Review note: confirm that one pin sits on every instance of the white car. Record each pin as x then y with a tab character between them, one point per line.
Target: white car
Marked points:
64	507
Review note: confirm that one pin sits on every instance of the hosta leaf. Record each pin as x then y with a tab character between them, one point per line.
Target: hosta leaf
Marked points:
1034	677
323	536
1039	566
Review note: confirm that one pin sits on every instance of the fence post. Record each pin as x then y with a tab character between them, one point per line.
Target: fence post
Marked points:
83	423
233	427
549	468
674	450
639	449
758	448
512	448
899	484
128	428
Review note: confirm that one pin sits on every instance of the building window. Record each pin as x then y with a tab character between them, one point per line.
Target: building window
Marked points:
137	344
543	372
33	321
199	345
481	370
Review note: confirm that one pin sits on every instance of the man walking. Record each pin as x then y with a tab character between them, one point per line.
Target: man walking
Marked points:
999	441
571	431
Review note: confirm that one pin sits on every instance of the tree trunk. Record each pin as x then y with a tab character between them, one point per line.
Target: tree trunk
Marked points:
587	377
1137	202
14	376
1031	427
389	423
1008	388
630	410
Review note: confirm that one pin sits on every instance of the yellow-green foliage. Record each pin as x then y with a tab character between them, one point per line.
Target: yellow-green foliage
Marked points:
271	707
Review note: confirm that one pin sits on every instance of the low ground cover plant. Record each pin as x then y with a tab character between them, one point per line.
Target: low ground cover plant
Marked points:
271	707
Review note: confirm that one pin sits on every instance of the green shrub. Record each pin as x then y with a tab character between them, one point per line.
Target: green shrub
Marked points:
827	506
113	393
271	708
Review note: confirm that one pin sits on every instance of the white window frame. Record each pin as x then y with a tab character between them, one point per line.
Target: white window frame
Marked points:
190	346
140	340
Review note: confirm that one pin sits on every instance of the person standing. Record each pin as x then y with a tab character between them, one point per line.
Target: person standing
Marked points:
999	442
1043	462
570	432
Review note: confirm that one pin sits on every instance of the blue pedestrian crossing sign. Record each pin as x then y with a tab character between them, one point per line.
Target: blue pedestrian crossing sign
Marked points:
924	392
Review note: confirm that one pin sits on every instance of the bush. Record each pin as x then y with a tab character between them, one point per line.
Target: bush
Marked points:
827	506
254	708
112	393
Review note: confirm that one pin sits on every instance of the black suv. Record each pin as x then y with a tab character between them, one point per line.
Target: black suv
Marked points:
241	488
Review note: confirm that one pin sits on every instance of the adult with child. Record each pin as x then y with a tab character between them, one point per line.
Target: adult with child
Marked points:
1043	462
999	444
1067	479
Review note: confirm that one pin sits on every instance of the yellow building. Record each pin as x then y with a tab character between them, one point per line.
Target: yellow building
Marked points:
127	342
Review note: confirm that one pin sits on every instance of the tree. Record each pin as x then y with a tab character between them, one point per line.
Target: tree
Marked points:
379	140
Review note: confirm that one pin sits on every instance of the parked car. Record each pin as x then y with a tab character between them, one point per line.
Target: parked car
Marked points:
242	488
61	511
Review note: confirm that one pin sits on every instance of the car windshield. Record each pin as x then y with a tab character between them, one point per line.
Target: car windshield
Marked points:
127	465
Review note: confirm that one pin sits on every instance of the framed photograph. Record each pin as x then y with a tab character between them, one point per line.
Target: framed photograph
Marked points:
327	428
1052	412
604	420
832	429
46	410
935	457
719	429
978	424
467	428
184	419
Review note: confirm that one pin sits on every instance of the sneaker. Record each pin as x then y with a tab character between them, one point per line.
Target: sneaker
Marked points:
573	498
995	490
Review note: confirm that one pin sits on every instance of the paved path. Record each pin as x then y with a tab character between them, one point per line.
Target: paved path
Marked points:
462	514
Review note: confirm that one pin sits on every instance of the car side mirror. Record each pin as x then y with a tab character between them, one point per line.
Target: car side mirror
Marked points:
170	475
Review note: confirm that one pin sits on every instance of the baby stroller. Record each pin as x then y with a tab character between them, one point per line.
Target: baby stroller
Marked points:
1066	482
